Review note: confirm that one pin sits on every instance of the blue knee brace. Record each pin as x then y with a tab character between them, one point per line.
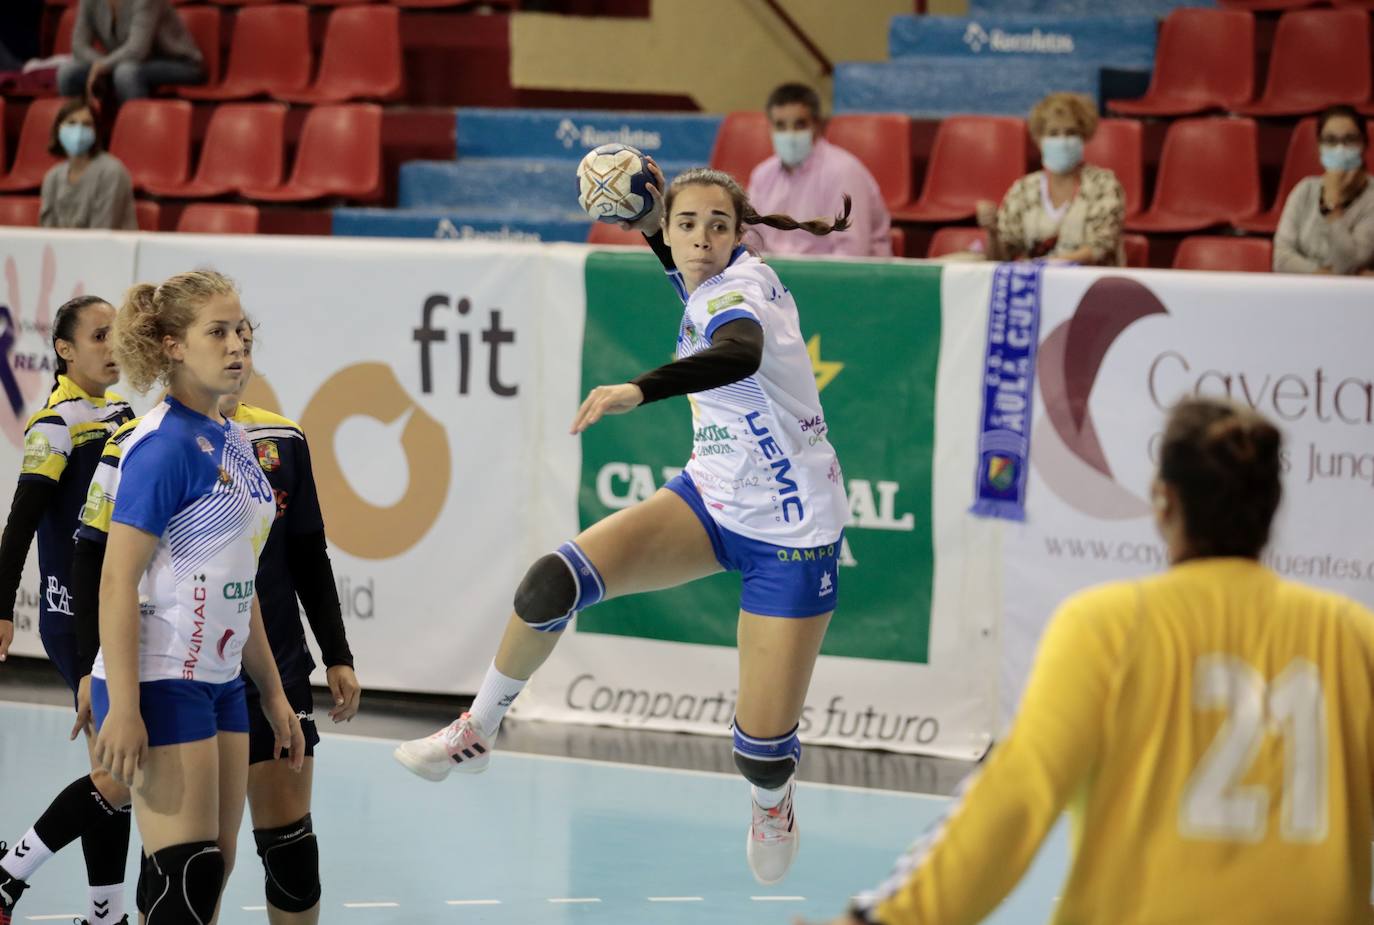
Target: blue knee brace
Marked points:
767	763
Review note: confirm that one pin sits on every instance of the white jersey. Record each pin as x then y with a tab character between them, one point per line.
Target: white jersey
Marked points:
761	456
196	484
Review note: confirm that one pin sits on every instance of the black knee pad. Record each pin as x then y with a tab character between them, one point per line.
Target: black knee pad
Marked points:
183	883
291	860
547	594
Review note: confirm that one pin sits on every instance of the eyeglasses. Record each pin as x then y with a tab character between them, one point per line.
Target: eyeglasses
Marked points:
1342	140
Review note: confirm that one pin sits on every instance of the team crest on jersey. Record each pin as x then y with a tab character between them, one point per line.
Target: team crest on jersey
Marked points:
269	456
224	478
205	445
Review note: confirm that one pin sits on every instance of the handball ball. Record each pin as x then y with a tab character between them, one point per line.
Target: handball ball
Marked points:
612	184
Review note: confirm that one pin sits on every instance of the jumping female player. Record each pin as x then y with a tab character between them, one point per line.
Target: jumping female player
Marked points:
294	565
61	447
773	510
178	613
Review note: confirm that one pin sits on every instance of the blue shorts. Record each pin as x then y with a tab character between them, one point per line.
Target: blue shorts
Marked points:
61	649
778	581
176	711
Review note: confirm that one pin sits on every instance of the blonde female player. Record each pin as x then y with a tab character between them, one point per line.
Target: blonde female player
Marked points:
294	575
177	621
61	448
1209	726
773	510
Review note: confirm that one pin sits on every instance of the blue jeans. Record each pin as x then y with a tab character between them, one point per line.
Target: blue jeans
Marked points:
133	80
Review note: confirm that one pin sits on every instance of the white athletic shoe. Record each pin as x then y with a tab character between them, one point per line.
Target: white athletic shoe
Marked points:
773	839
460	746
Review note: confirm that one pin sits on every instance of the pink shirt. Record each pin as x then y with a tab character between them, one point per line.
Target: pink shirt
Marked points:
813	190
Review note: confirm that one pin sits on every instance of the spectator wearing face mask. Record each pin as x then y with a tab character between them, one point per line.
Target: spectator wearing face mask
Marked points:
807	177
1328	221
1070	210
90	188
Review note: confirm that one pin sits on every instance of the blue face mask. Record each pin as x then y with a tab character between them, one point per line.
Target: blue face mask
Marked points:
792	147
1341	157
1061	153
76	139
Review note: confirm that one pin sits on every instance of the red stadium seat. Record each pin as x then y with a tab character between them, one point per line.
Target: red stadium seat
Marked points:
1302	160
1320	57
957	239
243	2
66	26
149	215
31	159
1118	146
340	154
4	138
335	2
1357	4
20	211
606	233
269	53
1268	4
219	218
203	24
1208	175
242	149
883	143
1137	249
361	58
1216	252
153	139
896	238
1205	60
973	158
743	141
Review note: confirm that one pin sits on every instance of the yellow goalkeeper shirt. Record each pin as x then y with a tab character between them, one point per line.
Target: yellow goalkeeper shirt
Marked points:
1210	730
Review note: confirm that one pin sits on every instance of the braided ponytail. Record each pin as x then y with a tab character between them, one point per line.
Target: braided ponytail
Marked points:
744	210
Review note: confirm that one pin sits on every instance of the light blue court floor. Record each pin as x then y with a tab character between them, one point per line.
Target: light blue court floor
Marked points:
534	840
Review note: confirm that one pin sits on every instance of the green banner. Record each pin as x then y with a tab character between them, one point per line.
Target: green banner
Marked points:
874	335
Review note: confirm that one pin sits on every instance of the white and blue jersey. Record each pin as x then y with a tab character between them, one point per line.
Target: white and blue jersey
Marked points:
196	484
761	458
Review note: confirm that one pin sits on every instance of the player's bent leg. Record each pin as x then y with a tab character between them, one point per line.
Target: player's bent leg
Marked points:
658	543
279	802
777	655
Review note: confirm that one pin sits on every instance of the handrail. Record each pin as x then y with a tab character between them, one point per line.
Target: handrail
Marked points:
826	67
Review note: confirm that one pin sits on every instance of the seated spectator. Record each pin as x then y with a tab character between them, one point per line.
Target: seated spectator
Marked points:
90	188
1070	210
808	176
1328	221
147	46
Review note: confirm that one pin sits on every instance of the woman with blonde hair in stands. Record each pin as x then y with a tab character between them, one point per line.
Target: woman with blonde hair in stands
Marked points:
1070	210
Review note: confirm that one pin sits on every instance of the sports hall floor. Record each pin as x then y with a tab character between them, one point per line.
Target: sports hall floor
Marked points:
570	824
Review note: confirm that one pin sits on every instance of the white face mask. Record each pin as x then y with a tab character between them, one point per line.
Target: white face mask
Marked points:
793	147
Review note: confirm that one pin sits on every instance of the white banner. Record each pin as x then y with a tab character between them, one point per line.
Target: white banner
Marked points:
435	385
1117	349
43	270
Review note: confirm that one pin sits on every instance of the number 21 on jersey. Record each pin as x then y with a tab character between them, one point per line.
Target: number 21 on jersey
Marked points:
1216	805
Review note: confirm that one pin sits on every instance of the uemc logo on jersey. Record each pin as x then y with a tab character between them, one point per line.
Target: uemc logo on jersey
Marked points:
788	493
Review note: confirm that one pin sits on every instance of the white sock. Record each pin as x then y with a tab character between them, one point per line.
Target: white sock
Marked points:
107	904
494	698
767	799
25	856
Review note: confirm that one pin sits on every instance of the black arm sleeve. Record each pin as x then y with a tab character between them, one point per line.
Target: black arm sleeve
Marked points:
307	558
735	353
31	500
661	250
87	562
